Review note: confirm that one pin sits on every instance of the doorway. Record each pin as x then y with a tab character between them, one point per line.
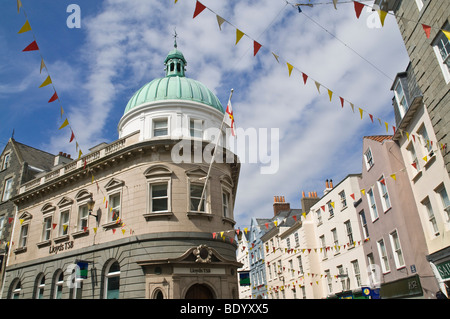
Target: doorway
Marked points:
199	291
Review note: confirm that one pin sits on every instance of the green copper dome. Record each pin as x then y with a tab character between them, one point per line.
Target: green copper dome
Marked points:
174	86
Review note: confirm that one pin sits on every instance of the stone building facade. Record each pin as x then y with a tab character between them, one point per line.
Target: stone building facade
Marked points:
129	221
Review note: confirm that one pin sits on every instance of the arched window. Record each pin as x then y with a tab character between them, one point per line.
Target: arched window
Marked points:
158	294
40	286
112	280
58	284
16	289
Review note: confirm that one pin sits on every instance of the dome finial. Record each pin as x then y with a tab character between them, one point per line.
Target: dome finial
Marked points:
175	38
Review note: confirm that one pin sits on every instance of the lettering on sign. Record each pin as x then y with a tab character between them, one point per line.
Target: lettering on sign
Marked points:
54	249
200	270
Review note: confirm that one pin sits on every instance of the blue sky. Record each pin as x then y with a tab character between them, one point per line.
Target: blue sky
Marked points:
121	45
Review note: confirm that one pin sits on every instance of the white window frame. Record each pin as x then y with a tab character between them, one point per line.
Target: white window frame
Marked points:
372	205
402	103
7	189
323	246
319	217
40	287
159	181
368	159
440	44
82	209
434	229
167	127
356	272
419	5
397	249
384	259
59	284
349	230
196	129
226	203
47	226
335	240
330	209
444	201
413	155
384	194
343	200
109	275
63	232
112	208
363	221
6	160
205	199
23	238
422	132
2	223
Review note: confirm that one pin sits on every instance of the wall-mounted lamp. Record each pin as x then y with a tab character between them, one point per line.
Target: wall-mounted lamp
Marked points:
90	205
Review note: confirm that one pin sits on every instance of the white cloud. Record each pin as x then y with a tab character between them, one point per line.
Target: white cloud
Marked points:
127	41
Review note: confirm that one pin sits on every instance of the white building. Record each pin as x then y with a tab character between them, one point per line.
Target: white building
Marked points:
242	257
342	261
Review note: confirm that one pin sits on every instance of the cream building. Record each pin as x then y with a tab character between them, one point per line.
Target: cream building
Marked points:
125	220
426	170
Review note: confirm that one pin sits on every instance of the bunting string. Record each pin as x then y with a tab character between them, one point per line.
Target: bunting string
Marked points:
199	8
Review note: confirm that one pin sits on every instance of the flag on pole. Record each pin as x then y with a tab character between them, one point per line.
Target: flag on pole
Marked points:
229	118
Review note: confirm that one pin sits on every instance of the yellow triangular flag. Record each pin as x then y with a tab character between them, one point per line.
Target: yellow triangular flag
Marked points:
79	154
62	111
363	191
304	215
95	230
275	223
19	5
407	135
387	126
66	122
123	231
239	35
394	177
42	65
332	204
47	81
382	16
447	34
221	234
220	21
330	94
25	28
21	221
290	68
361	112
353	107
64	227
425	158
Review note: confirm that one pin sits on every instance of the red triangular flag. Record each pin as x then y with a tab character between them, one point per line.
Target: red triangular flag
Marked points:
53	98
342	101
393	127
371	117
256	47
295	217
267	225
358	8
427	30
31	47
414	165
323	207
54	225
114	230
199	7
305	77
414	138
383	182
353	196
72	137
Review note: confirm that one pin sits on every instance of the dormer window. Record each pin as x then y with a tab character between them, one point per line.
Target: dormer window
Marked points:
400	97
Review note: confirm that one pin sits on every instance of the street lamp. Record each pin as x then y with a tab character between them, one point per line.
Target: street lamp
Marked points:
90	205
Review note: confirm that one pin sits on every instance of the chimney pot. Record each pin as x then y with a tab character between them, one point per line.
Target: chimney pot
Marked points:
303	194
331	183
326	184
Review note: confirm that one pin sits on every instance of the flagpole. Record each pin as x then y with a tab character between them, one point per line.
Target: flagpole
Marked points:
214	155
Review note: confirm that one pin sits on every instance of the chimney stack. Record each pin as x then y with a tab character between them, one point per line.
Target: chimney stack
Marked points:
280	205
